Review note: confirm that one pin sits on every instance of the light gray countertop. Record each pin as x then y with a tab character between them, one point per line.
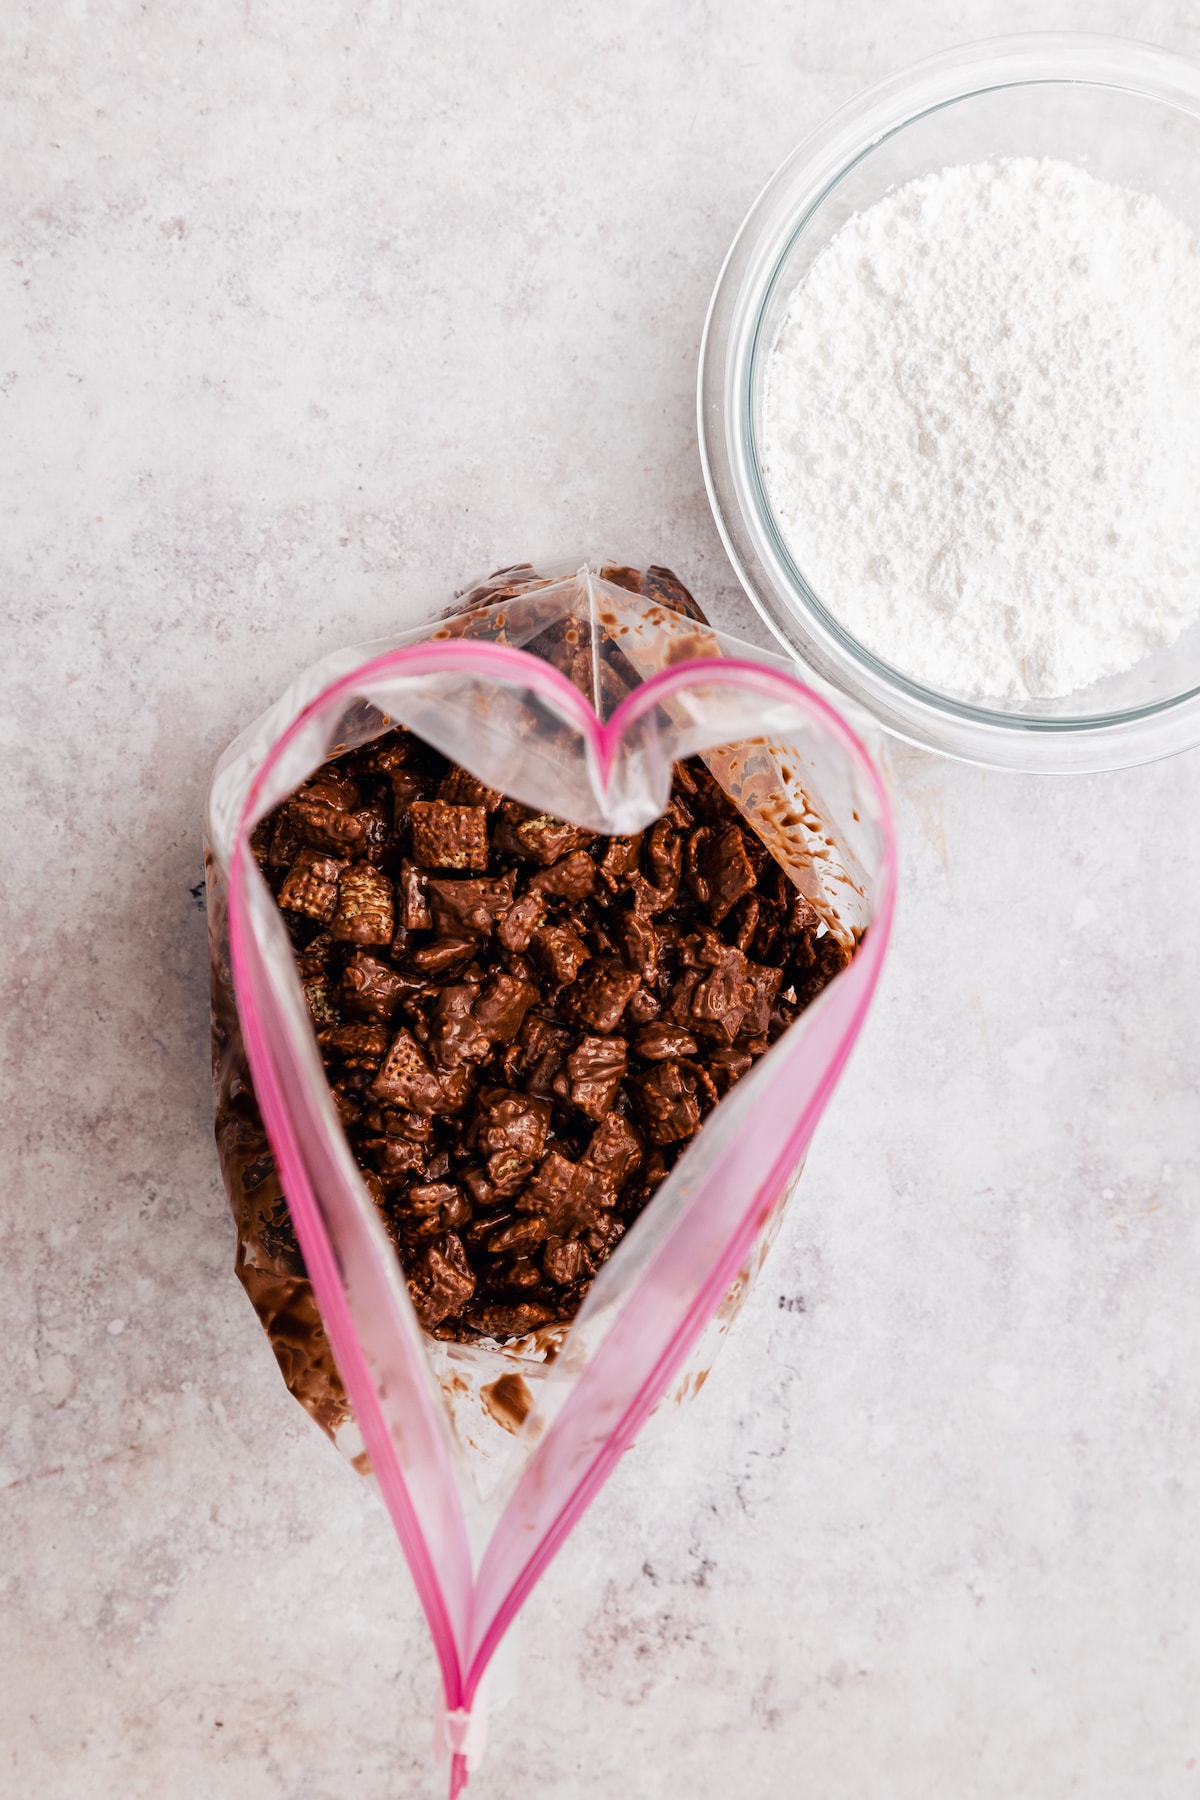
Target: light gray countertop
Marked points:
309	314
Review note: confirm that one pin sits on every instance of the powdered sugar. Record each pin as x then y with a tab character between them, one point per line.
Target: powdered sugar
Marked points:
981	428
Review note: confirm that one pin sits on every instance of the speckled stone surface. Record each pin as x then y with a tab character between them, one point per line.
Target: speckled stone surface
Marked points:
308	314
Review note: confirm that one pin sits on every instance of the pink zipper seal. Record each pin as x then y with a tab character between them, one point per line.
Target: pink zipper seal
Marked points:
352	1267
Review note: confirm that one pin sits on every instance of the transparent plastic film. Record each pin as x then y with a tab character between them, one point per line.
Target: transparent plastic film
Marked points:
576	696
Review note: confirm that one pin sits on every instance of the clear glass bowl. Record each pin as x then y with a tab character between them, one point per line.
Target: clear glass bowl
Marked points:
1126	112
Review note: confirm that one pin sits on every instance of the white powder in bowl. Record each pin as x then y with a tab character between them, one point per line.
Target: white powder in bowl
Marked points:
981	428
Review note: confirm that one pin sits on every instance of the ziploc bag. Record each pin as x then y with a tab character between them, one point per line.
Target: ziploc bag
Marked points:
487	1454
